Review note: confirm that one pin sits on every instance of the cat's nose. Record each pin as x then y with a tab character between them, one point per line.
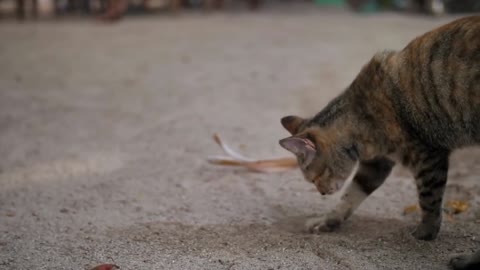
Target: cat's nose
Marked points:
328	192
321	190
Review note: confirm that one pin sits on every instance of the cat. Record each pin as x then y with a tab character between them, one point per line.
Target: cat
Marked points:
414	107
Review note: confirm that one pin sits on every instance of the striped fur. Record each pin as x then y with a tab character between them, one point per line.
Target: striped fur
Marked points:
413	106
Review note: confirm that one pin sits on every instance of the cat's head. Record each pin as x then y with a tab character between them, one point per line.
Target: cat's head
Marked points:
324	158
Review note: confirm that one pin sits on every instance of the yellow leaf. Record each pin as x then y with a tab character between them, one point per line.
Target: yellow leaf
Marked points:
456	207
410	209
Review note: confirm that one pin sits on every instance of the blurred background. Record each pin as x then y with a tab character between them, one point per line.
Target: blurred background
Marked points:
115	9
107	111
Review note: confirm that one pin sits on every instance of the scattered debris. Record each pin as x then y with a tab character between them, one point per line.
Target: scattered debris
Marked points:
106	267
449	217
10	214
234	158
452	207
410	209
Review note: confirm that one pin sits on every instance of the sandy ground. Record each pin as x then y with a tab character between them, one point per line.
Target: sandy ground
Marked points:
105	130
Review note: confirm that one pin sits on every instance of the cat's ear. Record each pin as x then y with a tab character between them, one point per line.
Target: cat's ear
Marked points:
292	123
301	147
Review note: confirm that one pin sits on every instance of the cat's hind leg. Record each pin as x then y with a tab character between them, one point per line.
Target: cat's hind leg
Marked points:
466	262
431	178
370	175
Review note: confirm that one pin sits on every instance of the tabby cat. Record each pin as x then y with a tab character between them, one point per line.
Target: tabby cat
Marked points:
413	106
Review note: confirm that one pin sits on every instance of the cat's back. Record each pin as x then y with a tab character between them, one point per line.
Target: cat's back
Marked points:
437	84
454	42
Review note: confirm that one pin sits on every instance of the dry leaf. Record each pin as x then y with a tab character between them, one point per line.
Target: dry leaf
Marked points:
452	207
236	159
410	209
455	207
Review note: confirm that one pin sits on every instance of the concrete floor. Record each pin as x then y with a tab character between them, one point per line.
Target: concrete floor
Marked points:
104	130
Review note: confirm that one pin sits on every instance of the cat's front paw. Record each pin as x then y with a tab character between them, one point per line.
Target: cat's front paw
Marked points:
322	224
426	232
